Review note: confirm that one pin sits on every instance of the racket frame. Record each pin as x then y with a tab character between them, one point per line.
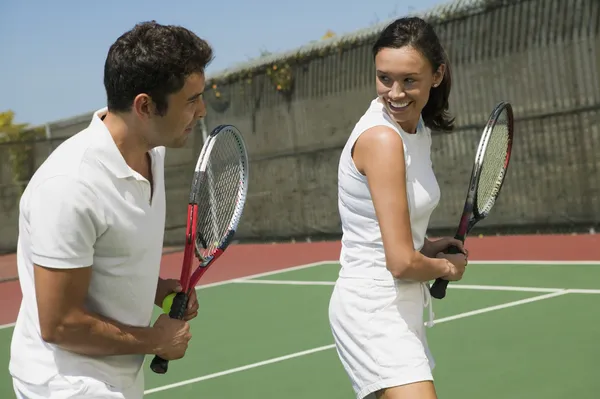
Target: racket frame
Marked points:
189	280
471	215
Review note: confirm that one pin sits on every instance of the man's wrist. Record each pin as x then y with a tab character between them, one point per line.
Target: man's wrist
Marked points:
151	340
147	339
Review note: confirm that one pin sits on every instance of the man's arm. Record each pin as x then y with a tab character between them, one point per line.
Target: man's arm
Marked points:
65	219
65	322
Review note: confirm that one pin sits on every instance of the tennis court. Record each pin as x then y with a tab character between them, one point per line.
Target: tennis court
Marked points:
508	330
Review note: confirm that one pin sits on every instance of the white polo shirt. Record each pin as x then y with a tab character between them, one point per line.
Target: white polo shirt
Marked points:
85	206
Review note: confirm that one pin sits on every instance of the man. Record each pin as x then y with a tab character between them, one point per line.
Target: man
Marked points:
91	228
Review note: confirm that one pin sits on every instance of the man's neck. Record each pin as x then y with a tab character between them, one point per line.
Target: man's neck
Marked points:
129	141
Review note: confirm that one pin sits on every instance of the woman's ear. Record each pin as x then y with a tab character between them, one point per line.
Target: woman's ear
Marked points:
438	76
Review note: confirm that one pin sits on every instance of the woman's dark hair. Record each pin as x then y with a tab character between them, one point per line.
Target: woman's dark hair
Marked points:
153	59
415	32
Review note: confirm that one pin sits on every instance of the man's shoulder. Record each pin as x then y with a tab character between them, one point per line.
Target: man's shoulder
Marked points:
74	161
59	176
67	173
66	188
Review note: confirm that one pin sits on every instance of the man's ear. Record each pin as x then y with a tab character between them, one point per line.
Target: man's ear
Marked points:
143	106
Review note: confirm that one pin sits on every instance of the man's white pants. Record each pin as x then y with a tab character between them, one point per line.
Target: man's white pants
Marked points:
63	387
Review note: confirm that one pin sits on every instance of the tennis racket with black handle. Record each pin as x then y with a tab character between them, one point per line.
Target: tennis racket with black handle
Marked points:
217	198
487	177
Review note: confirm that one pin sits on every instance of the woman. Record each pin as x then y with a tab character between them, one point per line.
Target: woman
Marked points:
386	193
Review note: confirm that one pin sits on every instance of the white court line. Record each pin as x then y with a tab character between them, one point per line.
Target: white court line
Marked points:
326	347
502	288
248	280
283	282
238	369
582	291
9	325
522	289
336	262
257	275
536	262
452	286
265	274
502	306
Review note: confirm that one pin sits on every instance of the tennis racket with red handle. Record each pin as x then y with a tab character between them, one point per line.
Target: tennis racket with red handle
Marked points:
217	198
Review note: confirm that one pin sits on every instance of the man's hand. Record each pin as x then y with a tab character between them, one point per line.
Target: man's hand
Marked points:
173	337
169	286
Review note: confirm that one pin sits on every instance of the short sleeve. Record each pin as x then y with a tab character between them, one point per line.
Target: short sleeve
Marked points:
64	221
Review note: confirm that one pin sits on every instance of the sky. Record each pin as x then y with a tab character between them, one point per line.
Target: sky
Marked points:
52	52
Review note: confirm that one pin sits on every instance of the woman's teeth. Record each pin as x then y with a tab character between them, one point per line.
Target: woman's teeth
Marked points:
399	106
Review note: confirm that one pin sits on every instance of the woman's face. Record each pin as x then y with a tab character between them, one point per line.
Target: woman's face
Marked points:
404	79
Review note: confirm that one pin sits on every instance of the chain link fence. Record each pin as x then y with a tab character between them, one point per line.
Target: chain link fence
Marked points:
297	109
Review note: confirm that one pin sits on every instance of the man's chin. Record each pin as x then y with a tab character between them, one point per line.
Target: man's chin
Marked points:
179	142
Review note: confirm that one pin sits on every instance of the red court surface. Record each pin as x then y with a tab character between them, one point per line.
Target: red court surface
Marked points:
248	259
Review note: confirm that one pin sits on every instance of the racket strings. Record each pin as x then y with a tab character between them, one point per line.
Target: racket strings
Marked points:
493	167
220	194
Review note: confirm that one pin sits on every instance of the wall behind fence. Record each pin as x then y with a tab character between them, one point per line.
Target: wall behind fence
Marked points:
541	55
179	164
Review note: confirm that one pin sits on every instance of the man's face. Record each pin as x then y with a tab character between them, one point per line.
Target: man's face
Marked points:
185	108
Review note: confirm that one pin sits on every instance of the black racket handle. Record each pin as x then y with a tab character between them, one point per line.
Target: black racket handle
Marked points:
438	289
160	365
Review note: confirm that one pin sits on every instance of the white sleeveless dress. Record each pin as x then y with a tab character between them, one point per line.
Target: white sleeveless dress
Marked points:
376	320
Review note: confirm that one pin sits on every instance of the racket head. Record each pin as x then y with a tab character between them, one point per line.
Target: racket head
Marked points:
489	168
493	158
219	191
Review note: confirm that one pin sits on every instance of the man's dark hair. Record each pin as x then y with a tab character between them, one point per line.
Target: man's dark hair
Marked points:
154	59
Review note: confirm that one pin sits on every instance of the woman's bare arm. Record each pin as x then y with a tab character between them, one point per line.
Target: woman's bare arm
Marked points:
379	155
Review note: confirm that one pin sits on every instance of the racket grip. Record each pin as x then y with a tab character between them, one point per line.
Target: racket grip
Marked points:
438	289
158	364
453	250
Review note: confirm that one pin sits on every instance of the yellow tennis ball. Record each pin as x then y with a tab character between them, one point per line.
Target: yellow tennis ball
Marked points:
168	302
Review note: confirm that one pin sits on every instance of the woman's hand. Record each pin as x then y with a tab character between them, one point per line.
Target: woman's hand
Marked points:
458	263
432	248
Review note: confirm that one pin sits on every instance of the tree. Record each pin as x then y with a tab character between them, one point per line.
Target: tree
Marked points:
329	34
18	140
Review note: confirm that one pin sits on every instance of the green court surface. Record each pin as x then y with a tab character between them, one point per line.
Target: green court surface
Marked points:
505	331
